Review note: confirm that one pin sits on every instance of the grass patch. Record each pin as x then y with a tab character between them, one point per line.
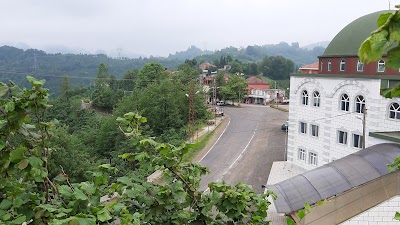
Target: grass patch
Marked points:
200	144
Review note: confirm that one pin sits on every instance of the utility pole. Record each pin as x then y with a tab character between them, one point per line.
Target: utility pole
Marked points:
364	116
215	101
191	111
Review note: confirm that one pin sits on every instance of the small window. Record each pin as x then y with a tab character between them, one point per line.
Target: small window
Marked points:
342	137
344	102
313	158
360	104
303	128
304	97
316	99
314	130
321	65
381	66
357	141
302	154
342	65
329	66
360	66
394	111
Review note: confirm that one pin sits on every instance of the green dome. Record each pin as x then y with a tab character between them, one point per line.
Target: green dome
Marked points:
348	40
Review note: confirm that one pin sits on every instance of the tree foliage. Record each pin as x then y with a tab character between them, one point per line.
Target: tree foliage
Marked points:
235	88
29	195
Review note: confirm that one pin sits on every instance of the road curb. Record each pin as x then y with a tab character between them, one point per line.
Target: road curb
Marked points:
279	108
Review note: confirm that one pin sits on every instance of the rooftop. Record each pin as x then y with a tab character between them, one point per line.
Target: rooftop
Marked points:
334	178
349	39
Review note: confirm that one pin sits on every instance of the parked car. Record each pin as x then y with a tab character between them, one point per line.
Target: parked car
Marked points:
285	126
221	103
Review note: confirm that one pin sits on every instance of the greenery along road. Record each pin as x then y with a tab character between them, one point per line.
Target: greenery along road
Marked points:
29	194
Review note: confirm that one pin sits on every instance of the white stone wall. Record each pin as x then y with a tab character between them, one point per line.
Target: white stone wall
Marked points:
382	214
330	118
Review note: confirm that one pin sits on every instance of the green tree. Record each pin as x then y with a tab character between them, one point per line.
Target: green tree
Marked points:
65	87
236	67
28	195
276	67
150	73
235	89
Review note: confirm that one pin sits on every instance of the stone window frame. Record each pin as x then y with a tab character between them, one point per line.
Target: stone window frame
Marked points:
359	141
394	110
358	101
344	104
301	130
310	157
329	65
360	64
346	137
316	97
321	64
380	66
304	97
311	130
342	65
302	152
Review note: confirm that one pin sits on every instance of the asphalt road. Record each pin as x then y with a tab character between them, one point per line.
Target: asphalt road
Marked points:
245	147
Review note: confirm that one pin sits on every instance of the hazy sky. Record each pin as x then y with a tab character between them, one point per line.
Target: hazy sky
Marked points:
159	27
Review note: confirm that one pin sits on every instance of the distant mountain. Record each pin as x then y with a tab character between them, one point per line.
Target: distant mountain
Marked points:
16	63
322	44
255	53
190	53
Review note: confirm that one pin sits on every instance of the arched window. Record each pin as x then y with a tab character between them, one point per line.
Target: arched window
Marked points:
360	66
381	66
394	111
316	99
329	66
342	65
360	104
344	102
320	65
304	97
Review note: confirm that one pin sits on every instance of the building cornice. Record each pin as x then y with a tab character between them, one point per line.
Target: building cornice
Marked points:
379	77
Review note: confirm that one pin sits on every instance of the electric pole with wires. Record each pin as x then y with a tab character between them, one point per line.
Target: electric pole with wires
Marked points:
191	112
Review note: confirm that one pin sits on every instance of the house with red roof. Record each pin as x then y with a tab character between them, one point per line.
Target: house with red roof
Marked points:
310	68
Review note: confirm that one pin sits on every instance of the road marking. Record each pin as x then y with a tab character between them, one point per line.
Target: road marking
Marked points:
215	141
242	151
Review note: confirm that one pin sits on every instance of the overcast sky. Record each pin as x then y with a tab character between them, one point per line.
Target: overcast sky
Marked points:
160	27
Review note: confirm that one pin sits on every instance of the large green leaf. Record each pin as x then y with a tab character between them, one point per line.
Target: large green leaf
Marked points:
103	215
393	59
3	90
5	204
80	195
23	164
17	154
19	220
383	18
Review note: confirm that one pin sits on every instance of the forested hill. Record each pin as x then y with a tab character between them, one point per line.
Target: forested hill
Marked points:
16	64
300	56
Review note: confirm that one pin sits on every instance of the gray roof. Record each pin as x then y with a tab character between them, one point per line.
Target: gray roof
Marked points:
334	178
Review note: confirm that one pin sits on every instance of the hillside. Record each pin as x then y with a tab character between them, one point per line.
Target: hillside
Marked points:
16	64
